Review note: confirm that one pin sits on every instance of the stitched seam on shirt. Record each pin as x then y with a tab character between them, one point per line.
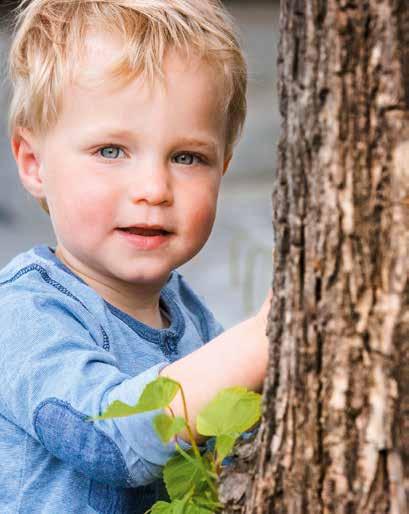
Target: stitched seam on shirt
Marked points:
157	340
203	323
175	311
167	339
202	319
82	416
46	277
23	469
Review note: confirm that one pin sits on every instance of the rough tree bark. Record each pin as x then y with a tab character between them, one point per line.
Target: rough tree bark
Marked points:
334	437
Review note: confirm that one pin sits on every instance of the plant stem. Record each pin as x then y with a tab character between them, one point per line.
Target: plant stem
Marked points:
194	445
199	463
215	462
189	430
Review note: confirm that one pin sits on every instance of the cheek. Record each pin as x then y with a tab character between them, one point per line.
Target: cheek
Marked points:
202	214
78	203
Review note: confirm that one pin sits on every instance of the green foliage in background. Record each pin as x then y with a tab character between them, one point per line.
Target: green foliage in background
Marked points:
191	477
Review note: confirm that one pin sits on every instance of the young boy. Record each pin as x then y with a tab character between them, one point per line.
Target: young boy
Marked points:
123	121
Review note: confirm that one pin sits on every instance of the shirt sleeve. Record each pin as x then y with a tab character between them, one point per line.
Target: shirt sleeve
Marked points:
54	374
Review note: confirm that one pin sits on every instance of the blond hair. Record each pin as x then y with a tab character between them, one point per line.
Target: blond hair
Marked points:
49	37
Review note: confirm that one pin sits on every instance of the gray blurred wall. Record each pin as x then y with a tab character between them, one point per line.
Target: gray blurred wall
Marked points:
233	271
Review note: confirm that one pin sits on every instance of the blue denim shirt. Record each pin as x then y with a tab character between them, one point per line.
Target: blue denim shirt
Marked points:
65	354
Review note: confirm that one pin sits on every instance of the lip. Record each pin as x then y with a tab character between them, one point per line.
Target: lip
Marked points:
145	242
147	227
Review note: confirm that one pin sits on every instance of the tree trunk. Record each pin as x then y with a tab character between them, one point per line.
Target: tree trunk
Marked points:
334	437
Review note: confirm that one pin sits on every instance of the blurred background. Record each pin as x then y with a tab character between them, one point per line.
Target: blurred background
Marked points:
234	270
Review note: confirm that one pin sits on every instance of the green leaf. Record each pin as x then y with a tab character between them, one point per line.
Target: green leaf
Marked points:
167	427
186	505
179	506
162	508
233	410
156	395
224	445
205	503
194	508
116	409
180	475
209	506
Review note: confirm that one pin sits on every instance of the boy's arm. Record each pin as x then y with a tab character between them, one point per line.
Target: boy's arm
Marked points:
54	373
238	357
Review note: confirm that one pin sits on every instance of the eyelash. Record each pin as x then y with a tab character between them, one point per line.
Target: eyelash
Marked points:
98	152
200	158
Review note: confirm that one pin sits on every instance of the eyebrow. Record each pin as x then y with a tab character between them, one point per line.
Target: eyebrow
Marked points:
121	133
209	145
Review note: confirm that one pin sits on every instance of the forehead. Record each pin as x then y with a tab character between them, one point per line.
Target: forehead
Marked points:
191	87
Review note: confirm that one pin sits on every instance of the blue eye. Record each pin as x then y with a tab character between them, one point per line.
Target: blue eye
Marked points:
187	158
110	152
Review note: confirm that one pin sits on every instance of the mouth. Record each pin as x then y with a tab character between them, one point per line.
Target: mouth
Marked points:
146	231
145	237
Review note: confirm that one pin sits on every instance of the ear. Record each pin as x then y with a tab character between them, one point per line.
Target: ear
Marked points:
25	151
226	163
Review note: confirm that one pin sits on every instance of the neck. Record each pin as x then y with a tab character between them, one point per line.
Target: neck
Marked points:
140	302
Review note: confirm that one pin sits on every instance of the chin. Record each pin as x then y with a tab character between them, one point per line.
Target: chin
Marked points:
145	278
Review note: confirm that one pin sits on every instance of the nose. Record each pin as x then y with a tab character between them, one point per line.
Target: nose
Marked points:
153	184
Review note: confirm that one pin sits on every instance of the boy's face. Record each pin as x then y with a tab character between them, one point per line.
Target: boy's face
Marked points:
133	157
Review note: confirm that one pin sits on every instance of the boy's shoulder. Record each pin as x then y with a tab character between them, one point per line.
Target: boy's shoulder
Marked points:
36	277
29	268
36	293
37	270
